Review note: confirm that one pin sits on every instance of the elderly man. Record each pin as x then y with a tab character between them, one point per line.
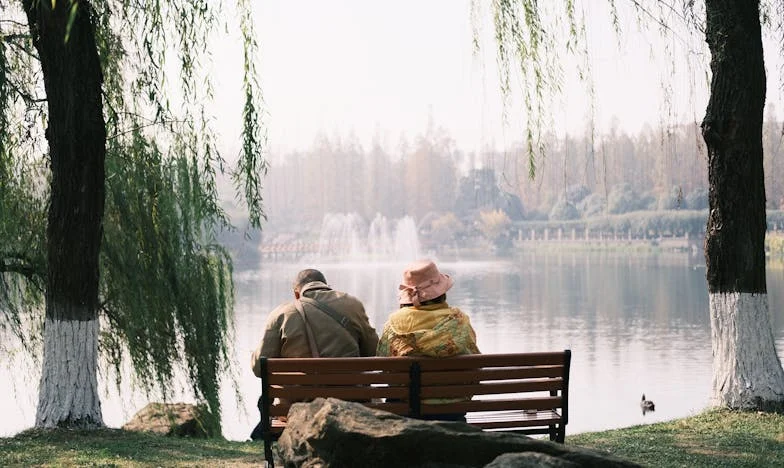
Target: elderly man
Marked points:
319	322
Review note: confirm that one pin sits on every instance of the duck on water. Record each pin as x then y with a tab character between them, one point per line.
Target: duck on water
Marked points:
646	405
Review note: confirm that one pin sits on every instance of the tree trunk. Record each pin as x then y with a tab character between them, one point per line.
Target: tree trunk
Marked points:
65	39
747	372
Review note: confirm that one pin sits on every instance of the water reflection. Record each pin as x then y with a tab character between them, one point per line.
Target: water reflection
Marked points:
635	324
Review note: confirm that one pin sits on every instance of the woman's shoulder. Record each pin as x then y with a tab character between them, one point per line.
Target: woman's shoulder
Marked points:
457	311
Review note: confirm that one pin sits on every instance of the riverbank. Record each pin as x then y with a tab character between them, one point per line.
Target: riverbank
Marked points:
714	438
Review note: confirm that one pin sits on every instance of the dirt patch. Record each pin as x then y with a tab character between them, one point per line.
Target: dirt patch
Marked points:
693	446
712	452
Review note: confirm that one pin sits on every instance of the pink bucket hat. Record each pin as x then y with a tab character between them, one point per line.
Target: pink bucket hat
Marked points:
421	282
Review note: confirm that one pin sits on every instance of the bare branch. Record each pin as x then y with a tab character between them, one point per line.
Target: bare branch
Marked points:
12	262
21	266
659	21
28	98
151	124
15	37
13	23
25	48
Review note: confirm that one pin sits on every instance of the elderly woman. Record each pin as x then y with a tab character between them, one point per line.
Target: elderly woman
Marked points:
425	325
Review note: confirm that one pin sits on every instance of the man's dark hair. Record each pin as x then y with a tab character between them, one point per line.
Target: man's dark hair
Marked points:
308	276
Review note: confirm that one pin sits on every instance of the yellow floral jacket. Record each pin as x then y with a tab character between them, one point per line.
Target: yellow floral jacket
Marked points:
435	330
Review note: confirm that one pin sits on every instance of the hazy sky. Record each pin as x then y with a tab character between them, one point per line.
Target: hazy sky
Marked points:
370	67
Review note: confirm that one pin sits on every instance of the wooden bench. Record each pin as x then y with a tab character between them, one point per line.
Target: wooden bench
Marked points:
526	393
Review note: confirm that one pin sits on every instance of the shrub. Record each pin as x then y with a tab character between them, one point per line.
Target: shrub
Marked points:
649	201
536	215
563	211
622	199
775	219
775	245
697	199
576	193
592	205
494	225
512	206
672	200
444	228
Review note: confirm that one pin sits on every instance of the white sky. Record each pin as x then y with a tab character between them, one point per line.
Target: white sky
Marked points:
369	67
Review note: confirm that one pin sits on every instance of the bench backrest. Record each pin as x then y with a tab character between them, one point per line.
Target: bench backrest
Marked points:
498	383
418	386
367	380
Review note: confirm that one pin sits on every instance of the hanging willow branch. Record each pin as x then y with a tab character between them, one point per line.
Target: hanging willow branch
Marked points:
166	289
526	50
532	38
252	165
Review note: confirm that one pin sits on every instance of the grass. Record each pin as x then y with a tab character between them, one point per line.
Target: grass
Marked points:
714	438
118	448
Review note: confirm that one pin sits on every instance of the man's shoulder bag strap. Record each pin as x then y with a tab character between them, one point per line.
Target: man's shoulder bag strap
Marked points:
311	341
341	319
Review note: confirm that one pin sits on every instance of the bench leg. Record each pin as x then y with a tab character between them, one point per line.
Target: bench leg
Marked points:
561	438
553	433
268	452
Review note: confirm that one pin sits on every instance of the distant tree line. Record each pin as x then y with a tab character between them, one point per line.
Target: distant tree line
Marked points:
657	169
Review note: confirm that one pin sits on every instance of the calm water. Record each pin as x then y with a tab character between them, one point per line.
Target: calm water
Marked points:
634	324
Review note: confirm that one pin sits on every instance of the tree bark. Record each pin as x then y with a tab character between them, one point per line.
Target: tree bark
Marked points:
747	372
65	39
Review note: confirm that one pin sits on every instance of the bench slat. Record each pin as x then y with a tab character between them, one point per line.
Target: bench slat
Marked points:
474	361
350	392
341	379
506	373
541	418
447	391
493	405
400	408
521	423
509	419
397	407
515	424
348	365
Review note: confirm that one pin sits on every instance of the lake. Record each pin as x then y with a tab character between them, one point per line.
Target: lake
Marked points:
636	323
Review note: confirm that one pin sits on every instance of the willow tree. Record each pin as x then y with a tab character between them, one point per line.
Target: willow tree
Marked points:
747	372
108	196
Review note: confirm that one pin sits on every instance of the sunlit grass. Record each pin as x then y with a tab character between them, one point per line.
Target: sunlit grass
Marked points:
714	438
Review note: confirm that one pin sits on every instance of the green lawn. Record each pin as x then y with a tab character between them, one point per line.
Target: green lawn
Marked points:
118	448
714	438
717	438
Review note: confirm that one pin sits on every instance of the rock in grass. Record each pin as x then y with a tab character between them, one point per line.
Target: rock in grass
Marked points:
334	433
529	460
175	419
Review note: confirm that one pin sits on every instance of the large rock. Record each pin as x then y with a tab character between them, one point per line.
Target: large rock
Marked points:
175	419
530	460
334	433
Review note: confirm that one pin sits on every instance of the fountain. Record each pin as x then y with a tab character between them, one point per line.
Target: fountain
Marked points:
345	238
340	236
406	239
